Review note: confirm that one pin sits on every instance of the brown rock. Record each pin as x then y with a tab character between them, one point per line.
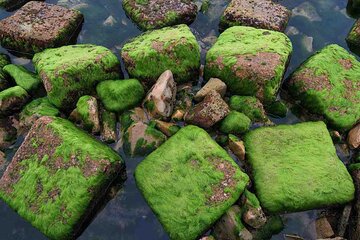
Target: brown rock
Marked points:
237	147
323	228
213	84
354	137
208	112
178	115
167	128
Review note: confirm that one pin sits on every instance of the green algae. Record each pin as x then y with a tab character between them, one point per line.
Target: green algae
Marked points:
277	109
267	51
253	201
70	72
120	95
83	108
175	48
108	126
23	77
187	175
16	91
328	84
250	106
235	123
295	168
4	60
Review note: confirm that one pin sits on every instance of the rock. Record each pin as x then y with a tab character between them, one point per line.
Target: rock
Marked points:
250	106
273	225
292	31
213	84
208	112
308	11
110	21
108	126
23	77
12	100
35	109
235	123
353	138
328	84
250	61
344	220
159	14
88	110
252	213
208	238
82	67
336	136
323	228
178	115
353	38
167	128
133	116
2	161
141	139
286	170
230	227
4	78
197	178
147	56
184	97
277	109
264	14
37	26
237	147
307	43
61	167
8	134
354	229
160	100
120	95
4	60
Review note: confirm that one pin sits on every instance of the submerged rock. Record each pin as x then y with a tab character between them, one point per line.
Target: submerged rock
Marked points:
13	99
200	179
175	48
23	77
328	84
250	61
152	14
354	137
264	14
306	10
213	84
208	112
37	26
108	126
70	72
66	173
250	106
286	169
236	123
88	111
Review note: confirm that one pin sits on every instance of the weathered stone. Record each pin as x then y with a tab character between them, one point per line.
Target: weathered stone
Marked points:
208	112
328	84
286	169
167	128
88	110
323	228
252	213
353	138
12	100
250	106
133	116
264	14
200	179
213	84
184	97
58	176
108	126
152	14
8	133
235	123
147	56
70	72
237	147
23	77
250	61
160	100
37	26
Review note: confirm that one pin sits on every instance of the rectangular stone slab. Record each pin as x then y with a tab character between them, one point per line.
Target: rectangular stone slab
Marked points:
57	176
295	168
189	182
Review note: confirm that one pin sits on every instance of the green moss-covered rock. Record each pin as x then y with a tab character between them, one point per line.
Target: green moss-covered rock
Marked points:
70	72
328	84
295	168
274	225
182	182
152	14
235	123
132	116
250	61
353	37
175	48
277	109
57	176
250	106
35	109
12	100
108	126
120	95
23	77
4	60
88	111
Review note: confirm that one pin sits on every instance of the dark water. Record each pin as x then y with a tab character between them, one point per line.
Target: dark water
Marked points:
127	216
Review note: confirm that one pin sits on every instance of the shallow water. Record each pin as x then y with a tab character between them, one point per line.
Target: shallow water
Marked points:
127	216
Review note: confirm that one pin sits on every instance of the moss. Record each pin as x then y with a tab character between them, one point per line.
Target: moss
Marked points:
147	56
4	60
277	109
70	72
36	109
23	77
295	168
16	91
108	126
353	37
55	182
83	108
183	174
252	199
246	44
328	84
274	225
235	123
120	95
205	5
354	166
250	106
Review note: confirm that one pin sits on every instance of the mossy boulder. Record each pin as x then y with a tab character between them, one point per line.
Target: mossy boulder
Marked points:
175	48
328	84
70	72
47	26
152	14
88	109
295	168
23	77
250	61
120	95
183	182
277	109
58	176
235	123
250	106
13	99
